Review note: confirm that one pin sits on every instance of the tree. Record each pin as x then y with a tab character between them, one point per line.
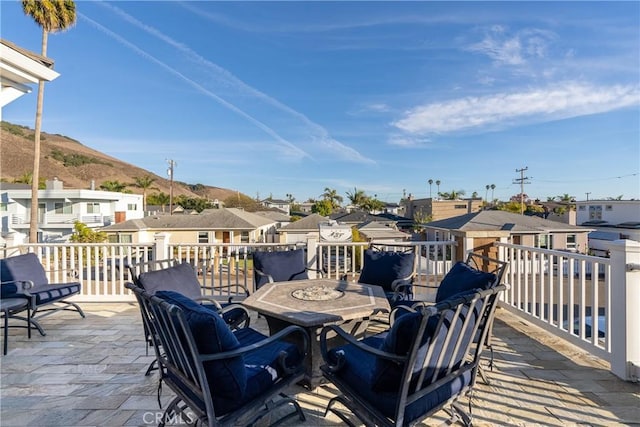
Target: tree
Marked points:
453	195
145	183
242	201
493	187
84	234
438	186
27	178
486	193
322	207
52	16
357	198
115	186
333	196
159	199
430	184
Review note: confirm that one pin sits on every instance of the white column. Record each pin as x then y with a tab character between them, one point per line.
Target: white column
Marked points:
161	250
625	312
312	259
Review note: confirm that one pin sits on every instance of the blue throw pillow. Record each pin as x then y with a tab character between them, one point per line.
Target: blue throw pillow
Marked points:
227	378
21	267
462	279
180	278
382	268
282	266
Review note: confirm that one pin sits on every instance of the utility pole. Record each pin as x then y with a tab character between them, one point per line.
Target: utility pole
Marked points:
522	181
172	164
587	193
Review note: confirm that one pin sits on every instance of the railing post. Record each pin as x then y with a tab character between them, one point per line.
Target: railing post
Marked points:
13	240
312	258
161	249
625	304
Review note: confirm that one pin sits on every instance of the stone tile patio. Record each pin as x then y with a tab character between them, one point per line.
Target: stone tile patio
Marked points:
90	372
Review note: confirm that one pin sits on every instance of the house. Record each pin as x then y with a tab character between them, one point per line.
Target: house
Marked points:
281	205
378	232
611	220
19	69
481	229
437	209
59	208
226	225
297	231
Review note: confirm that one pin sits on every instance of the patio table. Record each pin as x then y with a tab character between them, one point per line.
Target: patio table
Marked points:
313	304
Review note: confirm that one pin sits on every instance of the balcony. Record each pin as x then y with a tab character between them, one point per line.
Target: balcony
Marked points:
91	372
551	368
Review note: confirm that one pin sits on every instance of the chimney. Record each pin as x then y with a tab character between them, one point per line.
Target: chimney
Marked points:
93	184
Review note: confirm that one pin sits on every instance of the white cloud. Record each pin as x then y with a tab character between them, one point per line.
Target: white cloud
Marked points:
513	49
507	109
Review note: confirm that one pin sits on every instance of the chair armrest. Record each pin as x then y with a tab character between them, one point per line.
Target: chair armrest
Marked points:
22	286
350	339
280	336
22	291
206	299
263	274
231	307
228	286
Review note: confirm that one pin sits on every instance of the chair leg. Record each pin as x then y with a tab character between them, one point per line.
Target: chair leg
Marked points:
5	328
152	367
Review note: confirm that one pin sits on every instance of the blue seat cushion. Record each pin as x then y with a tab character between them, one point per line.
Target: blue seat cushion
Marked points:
357	374
226	378
383	268
180	278
45	294
21	268
461	279
282	266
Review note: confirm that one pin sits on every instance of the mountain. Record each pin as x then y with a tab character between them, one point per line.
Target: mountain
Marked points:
77	165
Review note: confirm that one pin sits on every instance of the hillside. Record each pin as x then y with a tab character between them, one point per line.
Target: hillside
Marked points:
83	164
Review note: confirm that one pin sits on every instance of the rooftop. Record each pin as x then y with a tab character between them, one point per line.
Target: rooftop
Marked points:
90	372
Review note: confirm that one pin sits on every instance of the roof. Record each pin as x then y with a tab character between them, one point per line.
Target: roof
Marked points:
275	215
307	223
501	220
216	219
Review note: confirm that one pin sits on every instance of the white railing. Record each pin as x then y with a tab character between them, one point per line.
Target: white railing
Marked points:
559	291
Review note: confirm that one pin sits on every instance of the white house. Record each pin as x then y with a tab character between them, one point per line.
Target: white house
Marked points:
59	208
20	68
611	220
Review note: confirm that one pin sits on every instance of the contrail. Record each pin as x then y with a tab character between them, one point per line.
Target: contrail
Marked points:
194	84
321	134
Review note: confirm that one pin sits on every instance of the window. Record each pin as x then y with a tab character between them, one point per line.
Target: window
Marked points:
571	241
3	207
62	207
460	206
120	238
203	237
244	237
582	208
608	208
595	212
132	207
543	241
93	207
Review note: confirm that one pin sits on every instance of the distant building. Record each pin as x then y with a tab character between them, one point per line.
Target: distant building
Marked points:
59	208
611	220
282	205
438	209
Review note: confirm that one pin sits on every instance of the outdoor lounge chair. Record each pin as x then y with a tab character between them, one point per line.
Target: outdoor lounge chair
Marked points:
220	377
279	266
172	275
23	276
424	363
10	308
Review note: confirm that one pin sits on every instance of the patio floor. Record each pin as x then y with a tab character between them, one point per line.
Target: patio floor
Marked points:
89	372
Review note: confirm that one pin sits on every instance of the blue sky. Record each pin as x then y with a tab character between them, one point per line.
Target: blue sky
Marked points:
276	98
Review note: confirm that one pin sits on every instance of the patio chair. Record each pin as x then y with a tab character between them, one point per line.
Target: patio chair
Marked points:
426	361
279	266
220	377
477	272
392	270
172	275
10	308
23	276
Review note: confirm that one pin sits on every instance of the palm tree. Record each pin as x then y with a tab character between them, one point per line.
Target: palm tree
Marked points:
430	184
438	185
493	187
145	182
52	16
332	195
486	193
357	198
115	186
